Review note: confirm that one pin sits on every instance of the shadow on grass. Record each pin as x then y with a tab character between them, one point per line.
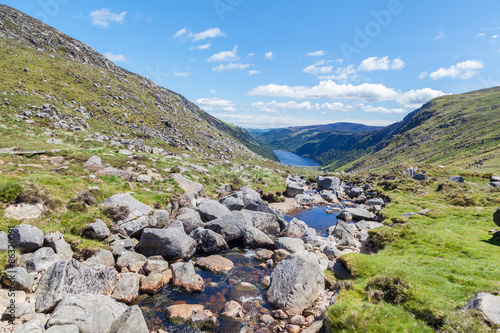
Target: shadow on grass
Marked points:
495	240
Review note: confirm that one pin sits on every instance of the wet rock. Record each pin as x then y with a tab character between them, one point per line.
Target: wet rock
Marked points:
183	311
188	185
254	238
97	230
171	243
232	309
72	277
281	254
41	260
101	257
345	216
231	226
27	237
487	304
190	219
265	222
327	183
295	284
135	207
298	320
208	241
279	314
131	321
264	254
55	240
295	228
91	313
127	288
19	279
292	328
215	263
184	276
210	210
23	211
293	189
265	281
154	281
233	201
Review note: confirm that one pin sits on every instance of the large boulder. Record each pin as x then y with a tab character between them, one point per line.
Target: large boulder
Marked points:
185	277
327	183
265	222
208	241
487	304
91	313
72	277
127	288
233	201
101	257
130	258
496	217
171	243
27	237
98	230
296	283
210	210
94	163
294	189
231	226
215	263
188	185
292	245
23	211
131	321
135	207
360	213
254	238
295	228
135	227
19	279
55	240
41	260
190	219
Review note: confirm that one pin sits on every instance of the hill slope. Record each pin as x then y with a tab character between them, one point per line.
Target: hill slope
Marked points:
41	65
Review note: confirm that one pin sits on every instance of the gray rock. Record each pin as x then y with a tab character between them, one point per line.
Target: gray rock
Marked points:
171	243
233	201
410	214
184	276
375	202
54	141
190	219
35	325
295	228
136	208
72	277
210	210
127	288
496	217
254	238
135	227
292	245
420	177
131	321
27	237
293	189
19	279
265	222
495	184
360	213
144	179
368	225
355	192
495	179
340	271
329	196
101	257
487	304
71	328
162	218
296	283
97	230
188	185
310	236
252	201
327	183
129	257
55	240
343	229
41	260
331	251
208	241
94	163
316	327
120	245
155	265
91	313
231	226
4	241
458	179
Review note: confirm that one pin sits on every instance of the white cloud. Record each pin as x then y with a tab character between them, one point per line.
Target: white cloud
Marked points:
115	57
381	109
224	56
274	106
381	64
440	35
253	72
230	67
423	75
340	74
182	74
269	55
215	102
495	36
103	17
415	98
463	70
229	109
197	36
251	54
213	91
201	47
328	89
481	34
316	53
317	68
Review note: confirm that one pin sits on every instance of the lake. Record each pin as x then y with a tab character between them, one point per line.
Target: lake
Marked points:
289	158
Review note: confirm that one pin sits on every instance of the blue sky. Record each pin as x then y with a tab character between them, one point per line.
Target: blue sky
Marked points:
265	64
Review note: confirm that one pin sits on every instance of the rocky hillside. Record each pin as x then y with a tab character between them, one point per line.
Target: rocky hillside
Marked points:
66	84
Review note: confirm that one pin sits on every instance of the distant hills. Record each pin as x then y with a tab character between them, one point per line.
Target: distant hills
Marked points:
461	130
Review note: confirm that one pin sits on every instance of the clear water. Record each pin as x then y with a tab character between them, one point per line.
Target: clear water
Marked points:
289	158
317	217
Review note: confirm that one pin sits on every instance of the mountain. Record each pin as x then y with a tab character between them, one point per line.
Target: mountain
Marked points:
89	92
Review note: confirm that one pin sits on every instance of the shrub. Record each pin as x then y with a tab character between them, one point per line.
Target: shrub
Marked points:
116	213
9	191
393	290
